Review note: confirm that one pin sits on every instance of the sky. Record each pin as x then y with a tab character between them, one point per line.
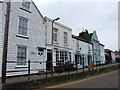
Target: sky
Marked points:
100	16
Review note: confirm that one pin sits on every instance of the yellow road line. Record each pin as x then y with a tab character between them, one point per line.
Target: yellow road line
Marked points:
56	86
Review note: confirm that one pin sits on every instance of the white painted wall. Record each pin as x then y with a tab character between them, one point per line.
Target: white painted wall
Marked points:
60	44
83	45
36	35
1	43
84	49
61	29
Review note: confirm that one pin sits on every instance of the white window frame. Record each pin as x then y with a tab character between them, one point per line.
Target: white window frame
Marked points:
26	56
70	56
64	57
77	44
19	26
78	59
65	38
24	7
54	32
57	57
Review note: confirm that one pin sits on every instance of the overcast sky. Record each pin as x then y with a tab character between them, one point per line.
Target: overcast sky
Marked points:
99	16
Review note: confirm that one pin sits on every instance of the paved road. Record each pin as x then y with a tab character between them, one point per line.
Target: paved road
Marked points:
107	80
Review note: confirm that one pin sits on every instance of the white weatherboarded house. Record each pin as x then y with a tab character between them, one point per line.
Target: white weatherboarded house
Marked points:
26	39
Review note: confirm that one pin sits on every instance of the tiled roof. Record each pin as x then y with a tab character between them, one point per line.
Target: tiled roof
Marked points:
81	39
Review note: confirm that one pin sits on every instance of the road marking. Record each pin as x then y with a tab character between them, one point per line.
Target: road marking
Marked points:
57	86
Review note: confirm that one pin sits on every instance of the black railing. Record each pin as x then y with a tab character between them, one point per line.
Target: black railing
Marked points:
56	68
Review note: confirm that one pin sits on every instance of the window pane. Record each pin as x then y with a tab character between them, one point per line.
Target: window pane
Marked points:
57	57
26	5
65	38
23	24
21	55
55	34
77	44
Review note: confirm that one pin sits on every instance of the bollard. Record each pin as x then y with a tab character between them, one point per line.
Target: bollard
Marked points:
29	70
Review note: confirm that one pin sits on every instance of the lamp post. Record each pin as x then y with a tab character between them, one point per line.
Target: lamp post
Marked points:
52	42
52	27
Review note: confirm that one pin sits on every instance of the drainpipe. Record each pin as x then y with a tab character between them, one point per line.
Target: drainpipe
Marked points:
5	46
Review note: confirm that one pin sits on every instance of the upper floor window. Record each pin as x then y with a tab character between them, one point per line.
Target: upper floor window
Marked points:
26	5
65	38
21	55
77	44
55	34
23	26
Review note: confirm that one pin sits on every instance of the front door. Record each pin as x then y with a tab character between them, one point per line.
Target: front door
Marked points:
78	60
83	61
49	60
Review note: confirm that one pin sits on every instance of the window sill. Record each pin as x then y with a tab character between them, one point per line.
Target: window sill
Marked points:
25	10
22	66
77	49
21	36
66	45
55	43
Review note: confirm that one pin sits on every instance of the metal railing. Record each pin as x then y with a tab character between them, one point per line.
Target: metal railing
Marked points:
56	68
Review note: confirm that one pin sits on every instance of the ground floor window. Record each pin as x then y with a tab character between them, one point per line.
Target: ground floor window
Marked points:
79	60
89	58
21	55
63	56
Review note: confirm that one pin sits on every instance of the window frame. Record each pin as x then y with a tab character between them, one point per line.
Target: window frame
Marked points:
65	38
23	8
55	33
57	57
18	34
17	65
77	44
64	56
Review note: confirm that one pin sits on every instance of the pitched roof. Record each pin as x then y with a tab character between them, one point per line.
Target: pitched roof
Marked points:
37	9
81	39
62	25
101	44
108	50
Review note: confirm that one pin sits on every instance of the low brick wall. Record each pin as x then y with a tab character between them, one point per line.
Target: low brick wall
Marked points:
34	84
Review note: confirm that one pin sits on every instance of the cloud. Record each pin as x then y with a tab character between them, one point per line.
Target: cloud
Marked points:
102	17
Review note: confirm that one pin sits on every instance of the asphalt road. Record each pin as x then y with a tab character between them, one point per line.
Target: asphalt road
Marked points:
107	80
